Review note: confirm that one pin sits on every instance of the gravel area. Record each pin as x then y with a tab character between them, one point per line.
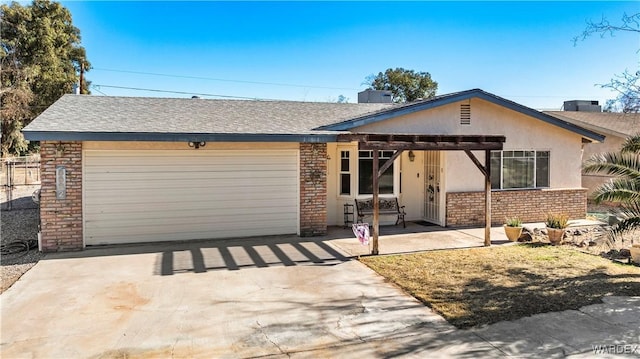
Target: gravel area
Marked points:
19	223
592	239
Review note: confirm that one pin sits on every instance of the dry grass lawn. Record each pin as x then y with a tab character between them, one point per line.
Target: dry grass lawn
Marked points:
487	285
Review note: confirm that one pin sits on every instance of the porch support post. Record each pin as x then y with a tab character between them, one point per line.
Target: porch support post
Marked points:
486	171
377	173
376	205
487	198
386	165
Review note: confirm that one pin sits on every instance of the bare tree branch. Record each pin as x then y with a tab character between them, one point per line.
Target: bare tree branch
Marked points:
630	23
627	84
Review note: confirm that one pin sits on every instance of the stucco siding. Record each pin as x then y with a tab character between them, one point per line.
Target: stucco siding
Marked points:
410	173
332	184
413	186
522	133
611	144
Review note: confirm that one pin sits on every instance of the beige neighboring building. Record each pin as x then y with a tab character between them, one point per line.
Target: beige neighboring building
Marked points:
615	126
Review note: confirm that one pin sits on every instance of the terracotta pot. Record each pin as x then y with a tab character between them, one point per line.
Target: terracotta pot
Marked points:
555	235
635	253
513	233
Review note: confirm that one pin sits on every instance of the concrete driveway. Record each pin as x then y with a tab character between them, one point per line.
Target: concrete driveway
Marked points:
279	296
275	297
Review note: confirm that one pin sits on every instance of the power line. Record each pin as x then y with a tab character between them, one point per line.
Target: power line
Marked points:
225	80
184	93
95	87
552	96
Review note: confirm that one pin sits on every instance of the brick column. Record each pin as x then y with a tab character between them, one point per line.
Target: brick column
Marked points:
313	189
61	218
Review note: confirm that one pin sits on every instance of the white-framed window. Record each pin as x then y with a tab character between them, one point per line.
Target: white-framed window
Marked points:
365	173
345	173
519	169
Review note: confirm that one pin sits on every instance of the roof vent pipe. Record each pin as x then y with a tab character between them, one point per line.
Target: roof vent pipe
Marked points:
76	88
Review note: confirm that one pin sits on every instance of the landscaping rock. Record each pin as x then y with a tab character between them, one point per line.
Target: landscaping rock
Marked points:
525	237
19	223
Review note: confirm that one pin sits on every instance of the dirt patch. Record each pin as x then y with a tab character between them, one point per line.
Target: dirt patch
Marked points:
487	285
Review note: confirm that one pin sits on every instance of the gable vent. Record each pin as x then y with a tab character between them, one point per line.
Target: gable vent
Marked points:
465	114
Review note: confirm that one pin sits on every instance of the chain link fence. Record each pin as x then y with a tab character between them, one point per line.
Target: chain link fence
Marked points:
20	178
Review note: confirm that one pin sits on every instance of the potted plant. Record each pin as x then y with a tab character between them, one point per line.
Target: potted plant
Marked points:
556	223
513	228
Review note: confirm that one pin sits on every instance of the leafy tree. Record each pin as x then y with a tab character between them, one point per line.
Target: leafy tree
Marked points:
342	99
627	85
405	85
40	57
624	189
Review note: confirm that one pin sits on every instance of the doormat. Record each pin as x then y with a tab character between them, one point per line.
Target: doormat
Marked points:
425	223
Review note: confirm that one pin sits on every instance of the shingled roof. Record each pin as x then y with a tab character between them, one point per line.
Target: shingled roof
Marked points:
105	118
77	117
616	123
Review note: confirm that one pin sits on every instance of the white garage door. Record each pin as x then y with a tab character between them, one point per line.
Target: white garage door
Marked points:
148	196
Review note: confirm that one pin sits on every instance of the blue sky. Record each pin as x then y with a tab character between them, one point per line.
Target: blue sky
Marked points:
317	51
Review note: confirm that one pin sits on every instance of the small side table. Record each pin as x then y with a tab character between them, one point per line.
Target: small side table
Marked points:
348	215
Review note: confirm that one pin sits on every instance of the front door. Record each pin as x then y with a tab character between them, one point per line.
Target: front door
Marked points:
432	184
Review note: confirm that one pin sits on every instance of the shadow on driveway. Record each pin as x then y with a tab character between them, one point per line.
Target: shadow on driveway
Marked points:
224	254
339	245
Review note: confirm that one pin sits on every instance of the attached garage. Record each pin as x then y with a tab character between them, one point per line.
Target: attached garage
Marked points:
127	169
155	195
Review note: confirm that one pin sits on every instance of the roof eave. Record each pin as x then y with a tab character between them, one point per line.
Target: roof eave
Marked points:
585	133
175	137
394	112
475	93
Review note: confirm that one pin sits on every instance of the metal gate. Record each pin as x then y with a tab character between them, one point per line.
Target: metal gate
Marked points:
432	184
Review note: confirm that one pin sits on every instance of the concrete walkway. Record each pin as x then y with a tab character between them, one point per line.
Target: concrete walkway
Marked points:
274	297
415	238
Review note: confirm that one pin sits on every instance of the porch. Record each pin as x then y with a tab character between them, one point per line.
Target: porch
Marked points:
396	144
415	238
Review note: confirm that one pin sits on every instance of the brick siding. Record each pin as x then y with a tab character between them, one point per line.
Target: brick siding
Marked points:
313	189
467	208
61	219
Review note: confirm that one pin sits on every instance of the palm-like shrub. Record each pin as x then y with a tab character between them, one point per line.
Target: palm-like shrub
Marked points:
624	188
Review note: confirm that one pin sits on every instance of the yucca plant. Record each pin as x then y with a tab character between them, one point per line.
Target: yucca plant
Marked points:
513	222
624	188
557	221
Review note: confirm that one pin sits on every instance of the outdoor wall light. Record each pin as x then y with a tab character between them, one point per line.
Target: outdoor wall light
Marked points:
197	145
60	149
412	156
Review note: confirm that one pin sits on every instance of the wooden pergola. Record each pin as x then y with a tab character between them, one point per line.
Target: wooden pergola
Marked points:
407	142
